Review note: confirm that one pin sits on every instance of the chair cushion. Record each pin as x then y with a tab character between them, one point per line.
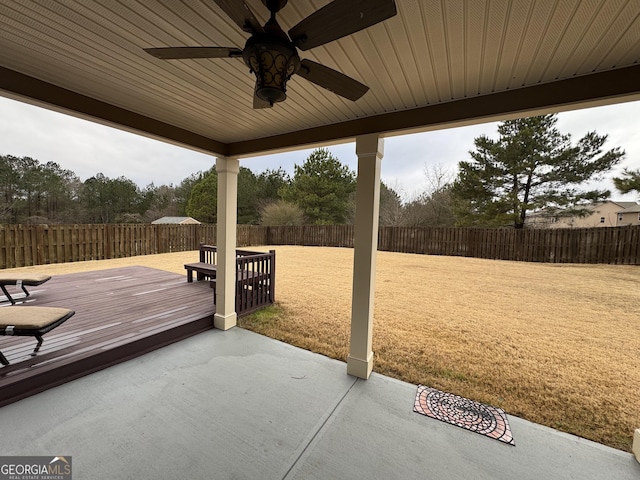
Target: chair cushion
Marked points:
25	278
31	318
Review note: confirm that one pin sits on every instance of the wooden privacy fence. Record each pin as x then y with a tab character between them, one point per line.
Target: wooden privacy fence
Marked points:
25	245
310	235
610	245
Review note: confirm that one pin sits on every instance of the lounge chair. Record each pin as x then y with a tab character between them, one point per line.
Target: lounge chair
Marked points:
31	322
21	280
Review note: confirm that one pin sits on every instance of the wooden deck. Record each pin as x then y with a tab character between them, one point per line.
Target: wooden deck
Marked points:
120	314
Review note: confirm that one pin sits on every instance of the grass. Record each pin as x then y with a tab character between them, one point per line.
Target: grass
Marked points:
556	344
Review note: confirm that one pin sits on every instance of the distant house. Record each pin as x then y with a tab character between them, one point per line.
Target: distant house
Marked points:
176	221
629	216
603	214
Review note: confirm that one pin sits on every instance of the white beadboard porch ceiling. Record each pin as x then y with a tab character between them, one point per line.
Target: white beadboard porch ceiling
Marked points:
437	62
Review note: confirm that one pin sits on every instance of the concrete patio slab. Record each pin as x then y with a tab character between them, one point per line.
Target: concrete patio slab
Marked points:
234	404
375	434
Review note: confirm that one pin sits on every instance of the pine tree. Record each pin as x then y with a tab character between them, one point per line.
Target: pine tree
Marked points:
322	187
531	166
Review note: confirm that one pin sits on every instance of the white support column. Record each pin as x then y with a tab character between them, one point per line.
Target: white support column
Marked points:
225	316
370	149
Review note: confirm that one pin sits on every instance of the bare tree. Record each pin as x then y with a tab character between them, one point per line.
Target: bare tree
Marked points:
391	208
432	207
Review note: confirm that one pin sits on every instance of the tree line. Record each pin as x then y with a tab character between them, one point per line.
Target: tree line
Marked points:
531	167
32	192
320	192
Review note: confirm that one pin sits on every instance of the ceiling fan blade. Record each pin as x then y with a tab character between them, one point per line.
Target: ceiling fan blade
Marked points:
332	80
172	53
241	14
338	19
259	103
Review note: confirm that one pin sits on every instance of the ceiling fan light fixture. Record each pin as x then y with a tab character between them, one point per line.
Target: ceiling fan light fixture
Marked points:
273	61
272	55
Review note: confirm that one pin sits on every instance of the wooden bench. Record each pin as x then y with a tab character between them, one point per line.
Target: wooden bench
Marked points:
244	279
206	267
203	271
255	276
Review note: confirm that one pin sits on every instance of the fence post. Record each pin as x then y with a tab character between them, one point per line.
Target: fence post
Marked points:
272	279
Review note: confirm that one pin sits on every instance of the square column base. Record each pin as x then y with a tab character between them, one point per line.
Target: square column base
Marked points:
360	368
636	444
225	322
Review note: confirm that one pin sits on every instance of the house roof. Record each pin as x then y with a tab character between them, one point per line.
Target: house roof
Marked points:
625	204
435	64
628	207
634	208
175	220
594	206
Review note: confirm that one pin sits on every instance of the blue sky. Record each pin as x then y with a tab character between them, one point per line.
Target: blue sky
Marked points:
88	148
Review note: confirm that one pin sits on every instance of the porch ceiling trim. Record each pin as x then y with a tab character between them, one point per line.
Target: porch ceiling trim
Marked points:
38	92
622	83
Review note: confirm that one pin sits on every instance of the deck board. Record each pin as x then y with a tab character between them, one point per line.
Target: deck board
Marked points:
120	314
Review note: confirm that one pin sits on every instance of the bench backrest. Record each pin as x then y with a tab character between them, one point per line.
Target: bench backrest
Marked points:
208	254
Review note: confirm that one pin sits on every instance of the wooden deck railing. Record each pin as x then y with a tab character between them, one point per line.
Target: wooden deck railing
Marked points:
255	280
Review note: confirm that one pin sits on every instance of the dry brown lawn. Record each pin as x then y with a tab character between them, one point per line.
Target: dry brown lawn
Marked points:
556	344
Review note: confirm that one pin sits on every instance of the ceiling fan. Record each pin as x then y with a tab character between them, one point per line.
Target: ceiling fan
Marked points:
272	55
